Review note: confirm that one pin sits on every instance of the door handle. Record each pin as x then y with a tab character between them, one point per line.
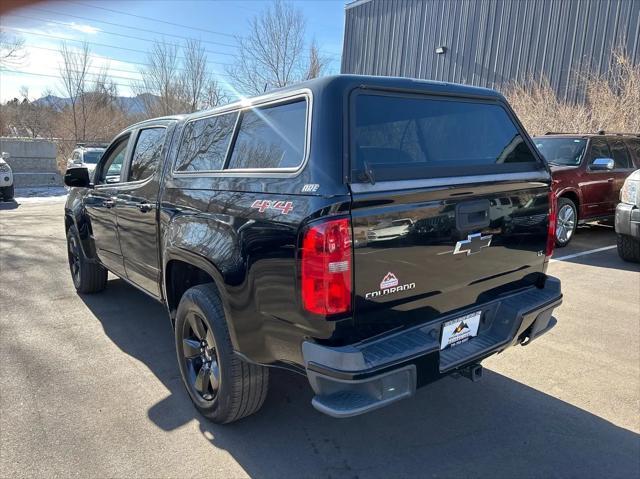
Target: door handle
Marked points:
110	203
610	180
145	207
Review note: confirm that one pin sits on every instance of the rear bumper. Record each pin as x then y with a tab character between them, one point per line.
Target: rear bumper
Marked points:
628	220
358	378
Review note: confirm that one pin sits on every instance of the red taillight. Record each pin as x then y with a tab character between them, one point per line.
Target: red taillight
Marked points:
326	268
551	231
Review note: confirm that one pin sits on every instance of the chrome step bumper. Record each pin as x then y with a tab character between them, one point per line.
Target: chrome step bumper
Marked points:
354	379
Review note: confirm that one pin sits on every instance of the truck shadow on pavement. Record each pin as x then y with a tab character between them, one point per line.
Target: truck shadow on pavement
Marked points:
495	428
8	205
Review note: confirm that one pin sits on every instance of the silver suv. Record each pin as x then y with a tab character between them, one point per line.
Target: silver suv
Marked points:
87	156
628	219
6	178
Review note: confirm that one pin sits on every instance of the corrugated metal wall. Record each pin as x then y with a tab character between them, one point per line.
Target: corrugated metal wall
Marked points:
490	42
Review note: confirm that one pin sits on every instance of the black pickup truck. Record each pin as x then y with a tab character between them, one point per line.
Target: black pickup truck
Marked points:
374	234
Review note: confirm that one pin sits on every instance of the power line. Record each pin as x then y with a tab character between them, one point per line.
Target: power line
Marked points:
109	75
120	12
5	70
66	24
154	19
131	28
116	60
117	47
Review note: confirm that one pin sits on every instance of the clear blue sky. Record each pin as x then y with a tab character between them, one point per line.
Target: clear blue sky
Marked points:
109	26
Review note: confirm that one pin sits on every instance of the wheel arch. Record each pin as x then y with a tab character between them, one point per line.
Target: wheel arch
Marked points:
83	226
184	269
574	196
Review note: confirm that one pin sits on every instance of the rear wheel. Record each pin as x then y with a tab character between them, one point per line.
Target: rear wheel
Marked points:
629	248
567	221
223	387
87	276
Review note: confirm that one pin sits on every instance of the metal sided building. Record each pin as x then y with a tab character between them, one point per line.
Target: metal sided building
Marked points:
491	43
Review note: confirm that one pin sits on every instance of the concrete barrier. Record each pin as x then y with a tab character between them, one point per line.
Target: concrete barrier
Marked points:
33	161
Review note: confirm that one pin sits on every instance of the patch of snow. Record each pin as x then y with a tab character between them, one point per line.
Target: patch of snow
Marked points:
39	194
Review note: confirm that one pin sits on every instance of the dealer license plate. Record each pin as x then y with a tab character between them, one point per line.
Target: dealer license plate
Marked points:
460	330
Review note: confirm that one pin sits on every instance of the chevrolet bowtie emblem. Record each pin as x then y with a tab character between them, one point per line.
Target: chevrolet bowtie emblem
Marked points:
473	244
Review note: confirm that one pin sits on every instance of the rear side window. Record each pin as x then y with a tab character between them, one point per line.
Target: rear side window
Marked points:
620	154
205	142
271	137
599	149
406	137
634	147
146	153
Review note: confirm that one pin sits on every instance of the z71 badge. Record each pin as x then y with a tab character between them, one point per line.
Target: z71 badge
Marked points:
389	285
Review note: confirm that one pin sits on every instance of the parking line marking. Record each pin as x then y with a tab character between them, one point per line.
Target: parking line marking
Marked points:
570	256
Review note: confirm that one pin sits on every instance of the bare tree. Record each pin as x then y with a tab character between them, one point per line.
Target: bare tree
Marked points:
194	77
213	95
171	86
24	117
317	63
273	55
11	49
73	73
160	85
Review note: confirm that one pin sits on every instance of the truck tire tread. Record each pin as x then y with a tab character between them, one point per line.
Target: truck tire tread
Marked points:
247	384
628	248
93	276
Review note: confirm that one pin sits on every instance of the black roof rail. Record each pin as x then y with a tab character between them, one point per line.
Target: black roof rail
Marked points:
92	144
560	133
618	133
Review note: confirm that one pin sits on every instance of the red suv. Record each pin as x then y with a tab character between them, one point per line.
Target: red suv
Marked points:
588	172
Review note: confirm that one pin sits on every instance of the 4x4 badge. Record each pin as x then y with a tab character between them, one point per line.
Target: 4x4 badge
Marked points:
473	244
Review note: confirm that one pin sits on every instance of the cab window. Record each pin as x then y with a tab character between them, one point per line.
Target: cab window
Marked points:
111	168
271	137
146	153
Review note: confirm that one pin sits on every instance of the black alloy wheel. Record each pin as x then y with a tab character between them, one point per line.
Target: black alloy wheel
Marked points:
200	357
73	253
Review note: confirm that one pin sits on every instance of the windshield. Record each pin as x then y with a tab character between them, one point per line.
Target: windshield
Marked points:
561	151
92	157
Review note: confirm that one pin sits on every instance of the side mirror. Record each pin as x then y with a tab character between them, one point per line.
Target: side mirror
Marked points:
5	155
77	177
601	164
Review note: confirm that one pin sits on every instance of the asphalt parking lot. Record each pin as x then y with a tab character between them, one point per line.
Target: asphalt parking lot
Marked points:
90	387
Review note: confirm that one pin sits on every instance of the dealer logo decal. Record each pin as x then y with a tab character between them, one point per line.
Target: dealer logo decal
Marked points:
389	285
389	281
461	327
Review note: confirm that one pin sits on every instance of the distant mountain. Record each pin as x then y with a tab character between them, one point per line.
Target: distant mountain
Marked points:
53	101
130	104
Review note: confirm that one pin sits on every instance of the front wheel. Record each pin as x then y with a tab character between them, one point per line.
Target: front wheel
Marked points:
87	276
567	221
629	248
223	387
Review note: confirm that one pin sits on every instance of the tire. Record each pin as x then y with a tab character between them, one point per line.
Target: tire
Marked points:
566	223
628	248
223	387
8	192
88	276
